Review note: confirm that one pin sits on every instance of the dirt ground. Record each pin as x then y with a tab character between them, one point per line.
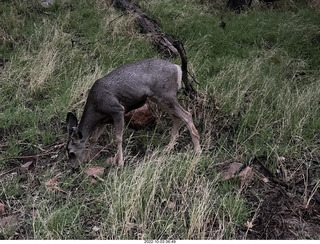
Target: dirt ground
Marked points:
281	211
281	215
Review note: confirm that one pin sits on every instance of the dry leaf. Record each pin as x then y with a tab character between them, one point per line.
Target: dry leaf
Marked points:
2	209
140	116
94	181
246	174
52	182
111	162
60	189
95	228
171	205
95	172
232	169
27	166
9	222
249	224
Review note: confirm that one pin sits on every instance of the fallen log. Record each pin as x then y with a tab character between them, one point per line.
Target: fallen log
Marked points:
149	26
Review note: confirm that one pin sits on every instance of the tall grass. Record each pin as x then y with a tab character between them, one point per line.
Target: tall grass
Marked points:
163	197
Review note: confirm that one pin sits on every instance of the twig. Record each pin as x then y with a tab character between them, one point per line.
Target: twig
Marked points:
58	188
314	190
194	78
8	171
98	178
250	224
118	17
41	154
32	156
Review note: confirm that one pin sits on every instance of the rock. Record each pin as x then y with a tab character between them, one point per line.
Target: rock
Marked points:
230	171
139	117
47	3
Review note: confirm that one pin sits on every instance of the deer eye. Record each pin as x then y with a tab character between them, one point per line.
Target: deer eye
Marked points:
72	155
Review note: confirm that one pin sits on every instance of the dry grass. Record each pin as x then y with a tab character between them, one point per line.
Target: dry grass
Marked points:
81	86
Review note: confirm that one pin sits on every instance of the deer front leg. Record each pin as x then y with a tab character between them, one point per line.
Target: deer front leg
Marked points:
92	142
119	127
96	134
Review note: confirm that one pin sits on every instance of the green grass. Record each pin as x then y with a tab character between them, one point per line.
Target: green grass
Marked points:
261	71
252	68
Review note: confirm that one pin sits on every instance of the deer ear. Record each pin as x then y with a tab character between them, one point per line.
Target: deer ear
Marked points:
72	122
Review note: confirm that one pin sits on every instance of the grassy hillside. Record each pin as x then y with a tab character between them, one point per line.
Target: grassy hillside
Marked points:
259	84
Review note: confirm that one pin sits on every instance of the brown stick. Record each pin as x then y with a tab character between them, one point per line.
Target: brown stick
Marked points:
42	154
31	156
189	90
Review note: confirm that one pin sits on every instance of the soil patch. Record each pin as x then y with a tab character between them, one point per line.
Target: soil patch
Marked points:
280	213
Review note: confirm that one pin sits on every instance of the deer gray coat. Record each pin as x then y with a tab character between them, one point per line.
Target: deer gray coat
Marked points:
124	89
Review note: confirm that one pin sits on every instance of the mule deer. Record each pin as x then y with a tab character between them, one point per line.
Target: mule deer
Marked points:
124	89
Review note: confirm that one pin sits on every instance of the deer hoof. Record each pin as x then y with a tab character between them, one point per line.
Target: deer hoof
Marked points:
110	162
198	150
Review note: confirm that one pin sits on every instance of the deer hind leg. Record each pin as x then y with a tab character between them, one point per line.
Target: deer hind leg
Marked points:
176	112
187	118
174	131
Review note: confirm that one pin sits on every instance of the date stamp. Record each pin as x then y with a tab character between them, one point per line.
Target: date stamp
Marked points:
159	241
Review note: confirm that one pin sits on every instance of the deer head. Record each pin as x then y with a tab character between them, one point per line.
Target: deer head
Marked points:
76	146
